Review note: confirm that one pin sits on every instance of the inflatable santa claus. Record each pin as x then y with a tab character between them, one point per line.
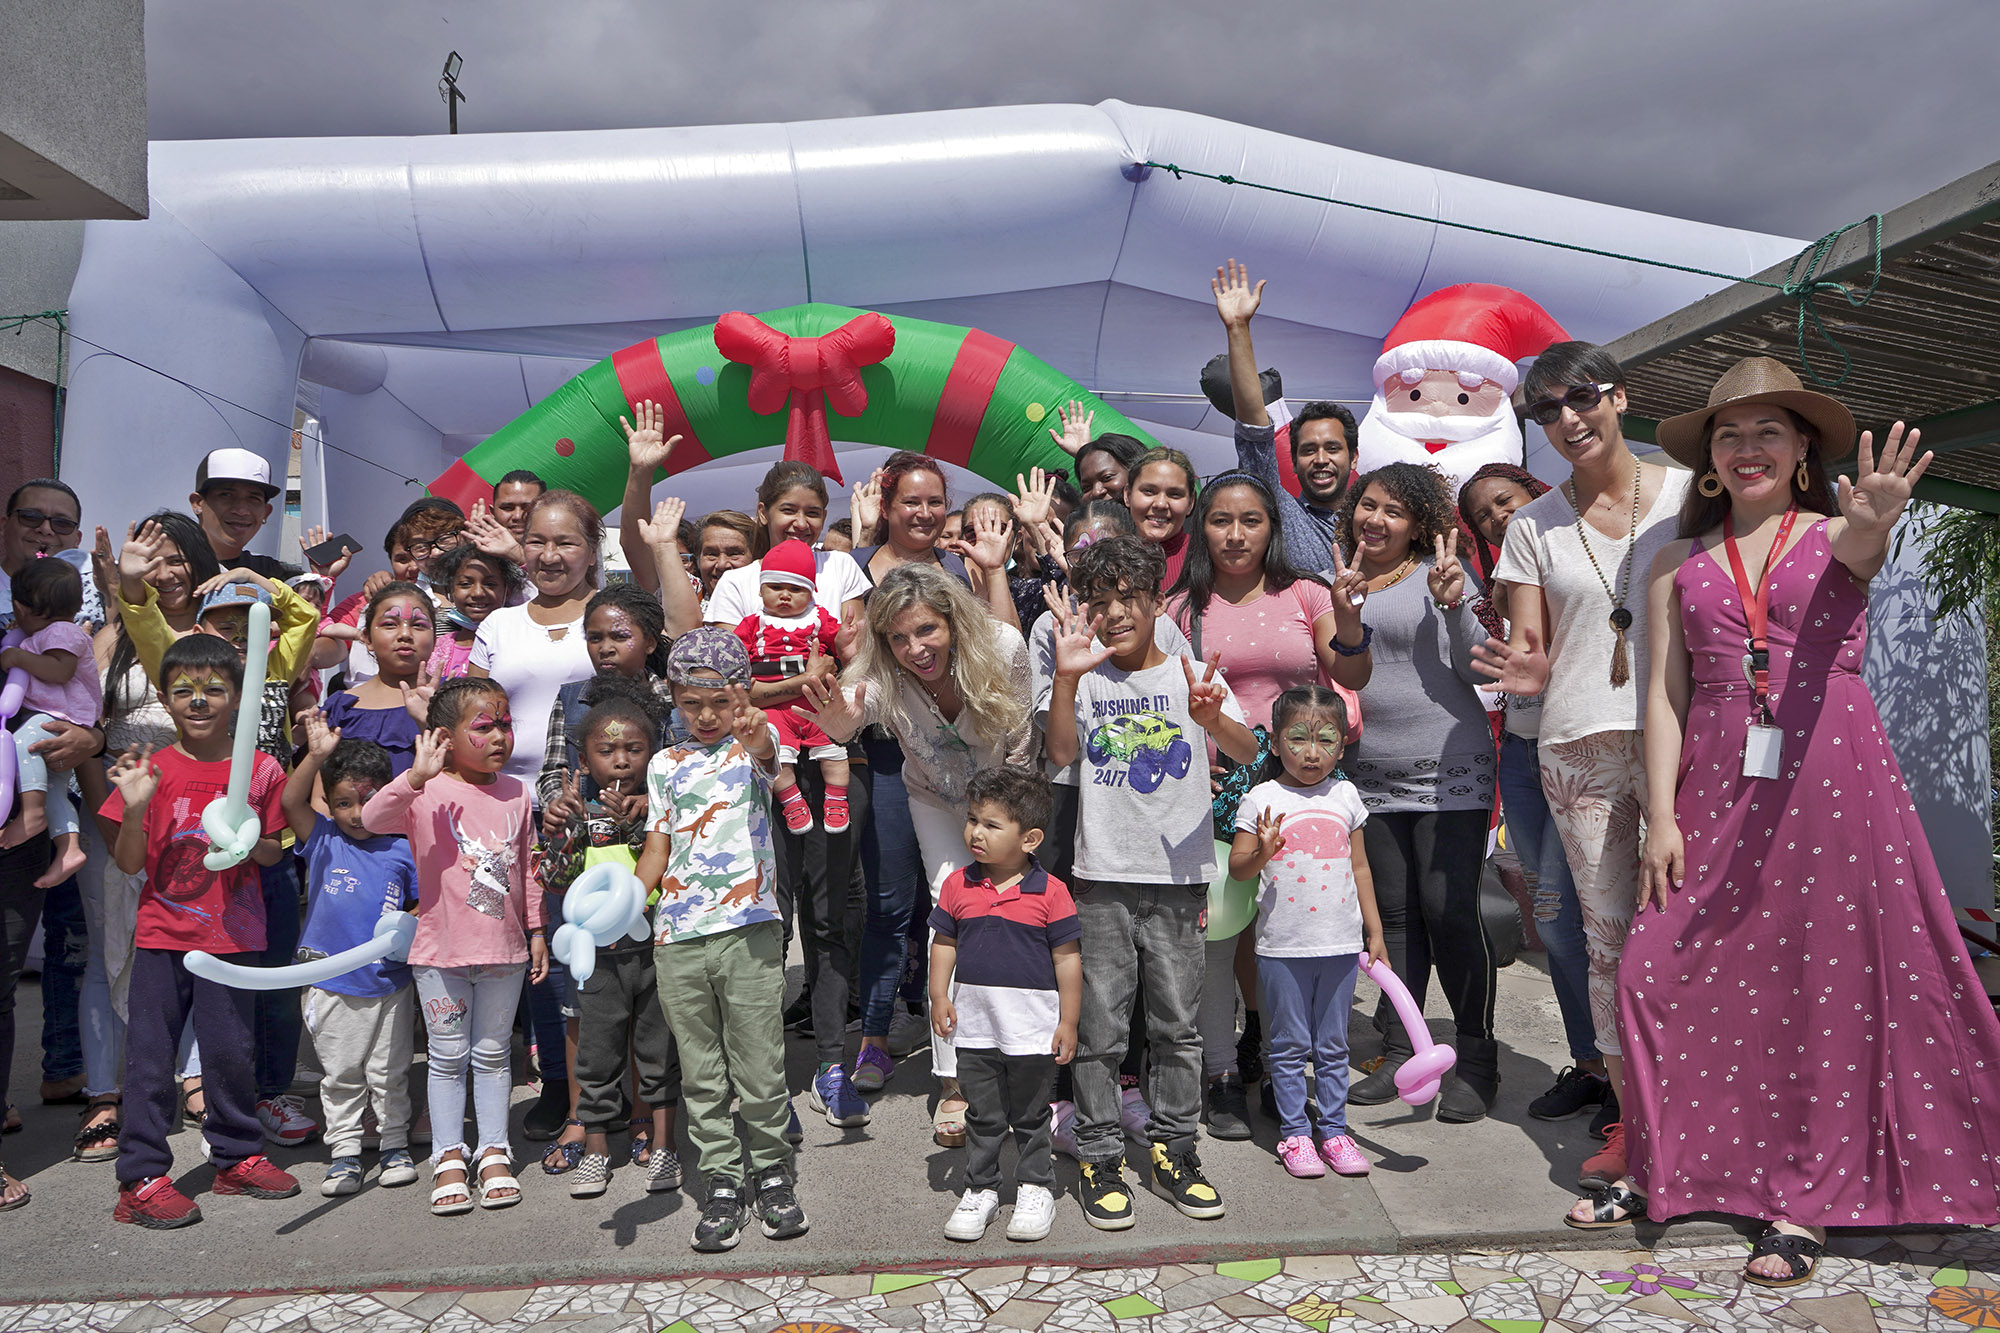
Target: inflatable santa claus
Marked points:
1443	381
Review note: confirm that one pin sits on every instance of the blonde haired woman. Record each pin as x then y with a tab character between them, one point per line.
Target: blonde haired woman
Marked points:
952	684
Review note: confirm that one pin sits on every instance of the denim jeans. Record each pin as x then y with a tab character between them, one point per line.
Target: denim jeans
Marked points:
469	1015
281	1019
65	953
1531	831
1130	930
894	869
1306	1004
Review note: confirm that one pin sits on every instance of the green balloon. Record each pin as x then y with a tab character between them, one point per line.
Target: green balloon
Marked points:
1232	903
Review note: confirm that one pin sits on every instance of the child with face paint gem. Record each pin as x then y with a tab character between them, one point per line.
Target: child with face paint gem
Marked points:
479	922
1297	834
587	824
388	708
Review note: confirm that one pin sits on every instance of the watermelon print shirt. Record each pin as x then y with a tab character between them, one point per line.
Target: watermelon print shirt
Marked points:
714	804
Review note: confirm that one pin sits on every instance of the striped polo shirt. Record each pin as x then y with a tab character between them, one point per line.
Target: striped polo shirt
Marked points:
1004	984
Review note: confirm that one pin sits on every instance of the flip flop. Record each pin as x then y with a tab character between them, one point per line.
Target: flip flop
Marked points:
1794	1250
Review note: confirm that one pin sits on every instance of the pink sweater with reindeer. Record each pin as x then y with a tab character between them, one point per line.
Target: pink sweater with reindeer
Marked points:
475	899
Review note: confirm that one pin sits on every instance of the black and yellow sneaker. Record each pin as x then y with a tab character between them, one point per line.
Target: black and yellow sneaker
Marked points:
1179	1174
1107	1203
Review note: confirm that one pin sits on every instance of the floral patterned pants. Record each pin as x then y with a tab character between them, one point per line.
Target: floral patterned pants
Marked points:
1596	788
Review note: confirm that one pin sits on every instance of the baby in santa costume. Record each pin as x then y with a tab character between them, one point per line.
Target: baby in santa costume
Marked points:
780	639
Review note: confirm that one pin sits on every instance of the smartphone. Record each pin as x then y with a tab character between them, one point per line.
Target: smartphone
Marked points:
331	550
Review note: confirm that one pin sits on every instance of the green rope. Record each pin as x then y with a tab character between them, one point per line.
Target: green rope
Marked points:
60	318
1801	284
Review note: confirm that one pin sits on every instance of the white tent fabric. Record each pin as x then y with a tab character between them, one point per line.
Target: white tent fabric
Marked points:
427	290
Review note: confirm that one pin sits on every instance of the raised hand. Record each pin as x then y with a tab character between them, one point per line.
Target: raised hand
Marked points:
567	806
1270	833
1075	432
135	777
864	508
320	738
104	565
991	540
750	724
490	535
1512	670
1235	299
1880	490
1049	538
1350	593
433	749
645	440
663	530
144	551
417	696
1447	576
1207	695
828	707
1033	495
1077	652
847	639
334	568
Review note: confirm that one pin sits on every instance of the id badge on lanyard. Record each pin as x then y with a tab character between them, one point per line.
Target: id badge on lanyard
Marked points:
1763	739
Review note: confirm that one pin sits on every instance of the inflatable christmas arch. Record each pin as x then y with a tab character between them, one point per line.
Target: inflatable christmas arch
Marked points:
747	381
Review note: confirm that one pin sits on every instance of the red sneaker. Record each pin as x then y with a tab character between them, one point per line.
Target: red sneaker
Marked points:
798	815
256	1177
155	1204
1607	1166
834	818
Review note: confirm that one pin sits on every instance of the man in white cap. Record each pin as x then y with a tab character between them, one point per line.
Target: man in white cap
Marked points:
232	498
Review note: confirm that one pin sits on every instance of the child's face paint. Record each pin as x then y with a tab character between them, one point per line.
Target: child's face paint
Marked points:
616	752
401	634
1310	746
617	646
483	740
345	801
201	703
231	623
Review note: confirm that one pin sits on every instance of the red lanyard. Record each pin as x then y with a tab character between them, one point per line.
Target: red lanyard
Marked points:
1756	605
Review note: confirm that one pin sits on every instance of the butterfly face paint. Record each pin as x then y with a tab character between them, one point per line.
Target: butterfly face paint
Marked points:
1309	747
401	635
483	740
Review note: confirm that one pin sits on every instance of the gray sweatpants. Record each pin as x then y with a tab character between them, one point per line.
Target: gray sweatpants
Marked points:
1004	1092
364	1046
619	1008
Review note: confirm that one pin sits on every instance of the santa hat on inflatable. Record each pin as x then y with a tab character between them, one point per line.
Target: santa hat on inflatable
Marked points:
1475	328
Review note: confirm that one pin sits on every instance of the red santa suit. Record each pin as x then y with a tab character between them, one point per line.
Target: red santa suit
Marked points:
779	647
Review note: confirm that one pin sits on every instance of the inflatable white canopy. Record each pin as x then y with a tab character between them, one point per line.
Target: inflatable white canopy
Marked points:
417	294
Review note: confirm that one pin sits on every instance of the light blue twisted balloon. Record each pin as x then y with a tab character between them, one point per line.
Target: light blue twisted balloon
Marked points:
393	936
605	904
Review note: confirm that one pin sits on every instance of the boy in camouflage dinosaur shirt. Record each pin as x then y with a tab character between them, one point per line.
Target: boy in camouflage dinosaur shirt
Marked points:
719	938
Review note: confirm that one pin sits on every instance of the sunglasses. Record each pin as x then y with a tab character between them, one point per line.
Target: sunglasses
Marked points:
35	518
1582	398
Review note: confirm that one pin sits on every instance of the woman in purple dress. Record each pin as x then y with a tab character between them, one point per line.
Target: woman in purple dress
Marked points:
1806	1041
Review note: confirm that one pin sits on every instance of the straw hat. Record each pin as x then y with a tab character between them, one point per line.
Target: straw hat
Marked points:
1760	379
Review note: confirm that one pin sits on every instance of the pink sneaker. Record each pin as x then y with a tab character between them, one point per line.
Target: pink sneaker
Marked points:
1343	1155
1299	1158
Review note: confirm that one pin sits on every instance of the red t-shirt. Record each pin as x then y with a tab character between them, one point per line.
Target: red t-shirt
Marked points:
184	905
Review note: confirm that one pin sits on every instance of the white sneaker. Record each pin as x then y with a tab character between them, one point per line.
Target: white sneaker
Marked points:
285	1121
973	1215
1062	1127
1133	1113
908	1032
1034	1213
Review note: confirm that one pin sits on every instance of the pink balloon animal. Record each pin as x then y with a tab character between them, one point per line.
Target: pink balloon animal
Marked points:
1420	1076
11	696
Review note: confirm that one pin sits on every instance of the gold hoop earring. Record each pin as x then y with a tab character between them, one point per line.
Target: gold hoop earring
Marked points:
1803	477
1710	484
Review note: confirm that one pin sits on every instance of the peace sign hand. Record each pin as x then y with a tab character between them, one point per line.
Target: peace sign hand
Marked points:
1075	432
1350	593
417	697
646	443
1880	490
1447	576
1207	695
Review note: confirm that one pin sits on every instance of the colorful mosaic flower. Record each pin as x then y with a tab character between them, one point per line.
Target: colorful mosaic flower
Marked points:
1976	1306
1648	1280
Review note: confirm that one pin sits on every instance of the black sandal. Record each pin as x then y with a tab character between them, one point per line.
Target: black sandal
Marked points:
1604	1202
10	1120
641	1130
1794	1250
9	1205
99	1143
188	1113
565	1156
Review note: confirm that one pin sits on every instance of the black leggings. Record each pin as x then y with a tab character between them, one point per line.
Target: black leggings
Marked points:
1426	868
20	911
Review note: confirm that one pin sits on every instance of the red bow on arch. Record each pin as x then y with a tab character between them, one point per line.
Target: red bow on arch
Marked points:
807	374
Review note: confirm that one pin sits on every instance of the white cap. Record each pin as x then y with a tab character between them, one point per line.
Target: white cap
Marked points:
234	465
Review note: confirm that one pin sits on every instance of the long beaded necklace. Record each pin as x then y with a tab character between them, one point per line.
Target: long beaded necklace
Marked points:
1620	618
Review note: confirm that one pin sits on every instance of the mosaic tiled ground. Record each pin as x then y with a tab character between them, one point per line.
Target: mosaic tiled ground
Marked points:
1905	1284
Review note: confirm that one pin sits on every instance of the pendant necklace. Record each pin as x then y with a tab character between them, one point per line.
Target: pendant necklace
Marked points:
1620	618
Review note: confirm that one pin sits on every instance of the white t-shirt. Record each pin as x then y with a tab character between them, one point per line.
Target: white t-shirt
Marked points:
1307	904
531	662
837	580
1544	549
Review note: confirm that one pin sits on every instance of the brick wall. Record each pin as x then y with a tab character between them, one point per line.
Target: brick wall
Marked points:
27	428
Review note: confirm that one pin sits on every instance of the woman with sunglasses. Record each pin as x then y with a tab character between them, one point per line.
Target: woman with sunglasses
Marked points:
1573	570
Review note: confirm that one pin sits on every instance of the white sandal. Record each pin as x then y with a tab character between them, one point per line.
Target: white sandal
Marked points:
461	1188
488	1185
